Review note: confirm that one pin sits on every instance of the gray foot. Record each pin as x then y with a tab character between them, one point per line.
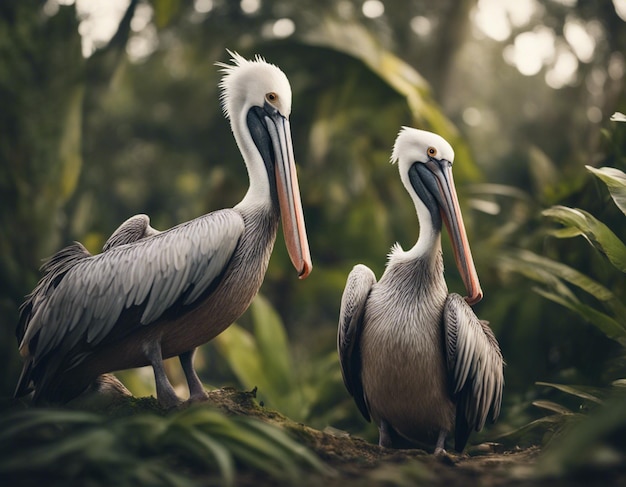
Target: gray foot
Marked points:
440	447
166	396
384	434
196	388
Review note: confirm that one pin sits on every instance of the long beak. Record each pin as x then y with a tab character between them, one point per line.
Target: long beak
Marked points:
451	214
289	195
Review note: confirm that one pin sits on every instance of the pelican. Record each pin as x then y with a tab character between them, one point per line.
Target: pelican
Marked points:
152	295
416	359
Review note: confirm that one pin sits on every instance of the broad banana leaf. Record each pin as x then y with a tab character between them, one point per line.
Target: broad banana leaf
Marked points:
357	41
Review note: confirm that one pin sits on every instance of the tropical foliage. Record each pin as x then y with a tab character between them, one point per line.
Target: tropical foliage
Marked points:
95	130
572	442
52	446
262	359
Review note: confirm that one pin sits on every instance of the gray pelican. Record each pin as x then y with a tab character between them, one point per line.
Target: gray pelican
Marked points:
416	359
153	295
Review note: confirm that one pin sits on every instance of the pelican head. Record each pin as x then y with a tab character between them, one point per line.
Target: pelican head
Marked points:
256	98
253	83
425	164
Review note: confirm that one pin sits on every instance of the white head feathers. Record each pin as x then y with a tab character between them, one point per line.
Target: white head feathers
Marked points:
247	83
417	146
412	145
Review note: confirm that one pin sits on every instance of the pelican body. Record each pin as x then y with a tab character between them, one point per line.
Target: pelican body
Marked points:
153	295
415	358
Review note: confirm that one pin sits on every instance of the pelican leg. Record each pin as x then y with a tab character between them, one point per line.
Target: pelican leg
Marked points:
165	392
385	438
440	447
196	388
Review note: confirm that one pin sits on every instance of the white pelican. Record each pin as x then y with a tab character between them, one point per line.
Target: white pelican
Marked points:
152	295
416	359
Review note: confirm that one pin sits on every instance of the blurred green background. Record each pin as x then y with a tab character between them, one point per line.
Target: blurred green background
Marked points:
108	109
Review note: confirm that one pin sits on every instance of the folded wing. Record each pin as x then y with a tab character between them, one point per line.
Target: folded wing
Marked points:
475	368
84	301
358	287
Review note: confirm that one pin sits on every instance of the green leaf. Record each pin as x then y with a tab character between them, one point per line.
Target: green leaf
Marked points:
31	419
90	444
535	432
551	273
552	406
263	359
498	190
147	449
258	458
567	232
584	443
291	447
596	232
239	348
587	393
519	262
354	39
272	344
543	265
147	427
615	180
210	448
546	176
259	451
602	321
70	144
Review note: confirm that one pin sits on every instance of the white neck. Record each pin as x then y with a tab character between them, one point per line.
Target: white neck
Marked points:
429	241
258	193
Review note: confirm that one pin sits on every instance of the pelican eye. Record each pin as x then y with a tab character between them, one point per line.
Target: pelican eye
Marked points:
271	97
431	151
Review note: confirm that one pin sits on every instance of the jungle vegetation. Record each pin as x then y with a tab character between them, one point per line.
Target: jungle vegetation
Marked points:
97	125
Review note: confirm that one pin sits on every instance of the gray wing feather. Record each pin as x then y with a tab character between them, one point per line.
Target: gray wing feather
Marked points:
358	287
54	269
133	229
474	362
155	272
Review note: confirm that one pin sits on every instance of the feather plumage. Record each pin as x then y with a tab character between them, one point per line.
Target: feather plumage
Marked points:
151	295
416	359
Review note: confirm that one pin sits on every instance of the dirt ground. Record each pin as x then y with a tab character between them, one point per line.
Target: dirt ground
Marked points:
356	462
